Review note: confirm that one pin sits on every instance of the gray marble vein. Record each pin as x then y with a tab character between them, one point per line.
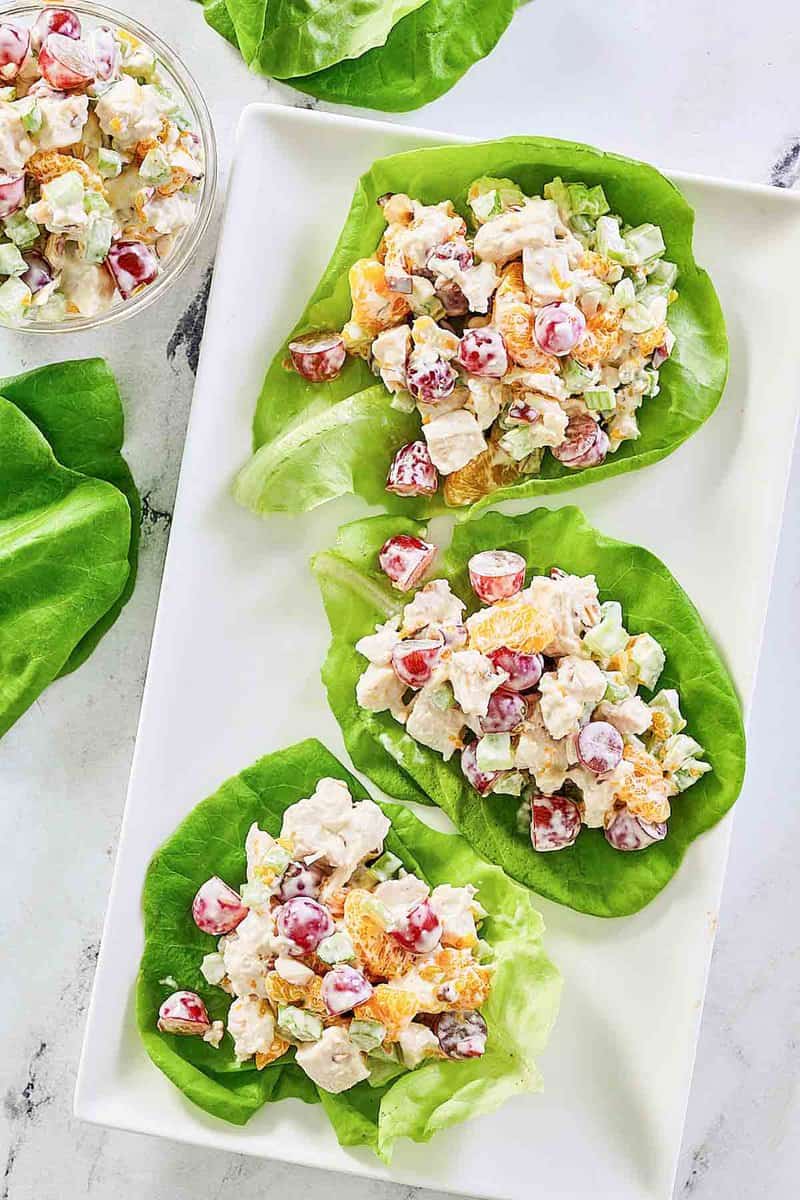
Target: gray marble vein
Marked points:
712	89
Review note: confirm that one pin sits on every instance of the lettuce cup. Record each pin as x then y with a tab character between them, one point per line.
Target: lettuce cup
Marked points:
303	941
500	320
554	691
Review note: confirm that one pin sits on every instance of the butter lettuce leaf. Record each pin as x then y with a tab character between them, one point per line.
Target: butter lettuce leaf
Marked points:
589	876
691	381
519	1013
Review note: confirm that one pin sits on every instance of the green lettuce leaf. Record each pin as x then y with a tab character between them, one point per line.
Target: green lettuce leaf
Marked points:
288	413
77	407
64	542
519	1013
424	56
589	876
217	16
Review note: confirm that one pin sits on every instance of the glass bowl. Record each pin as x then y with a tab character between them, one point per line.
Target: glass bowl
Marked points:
184	84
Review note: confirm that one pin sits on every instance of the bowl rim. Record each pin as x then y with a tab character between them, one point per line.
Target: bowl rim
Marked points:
184	253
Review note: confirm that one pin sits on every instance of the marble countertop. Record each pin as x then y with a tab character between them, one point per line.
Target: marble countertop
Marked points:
713	90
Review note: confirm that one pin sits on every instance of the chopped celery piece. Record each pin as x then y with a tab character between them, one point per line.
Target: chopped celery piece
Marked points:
31	118
336	948
22	231
609	240
64	191
648	658
443	697
625	293
54	309
98	239
600	399
15	297
663	274
523	817
367	1035
638	319
510	785
532	463
109	163
154	168
520	441
651	376
667	704
608	637
386	866
95	202
576	199
423	300
488	197
576	377
11	261
618	687
677	750
645	243
254	894
493	752
299	1024
689	774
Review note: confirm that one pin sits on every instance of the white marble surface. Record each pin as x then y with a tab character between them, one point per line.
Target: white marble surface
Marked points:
710	87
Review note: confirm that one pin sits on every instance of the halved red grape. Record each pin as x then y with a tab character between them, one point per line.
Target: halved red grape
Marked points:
318	357
594	455
12	194
524	670
483	352
14	43
522	413
430	381
65	63
559	327
55	20
480	780
304	922
132	266
579	437
343	988
105	51
412	472
627	832
453	300
217	908
299	880
458	250
420	930
506	711
405	559
184	1013
496	574
461	1034
38	274
599	746
414	660
555	822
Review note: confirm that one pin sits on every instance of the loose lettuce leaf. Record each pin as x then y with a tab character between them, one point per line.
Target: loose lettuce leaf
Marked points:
520	1011
76	406
590	876
424	56
217	16
64	543
288	412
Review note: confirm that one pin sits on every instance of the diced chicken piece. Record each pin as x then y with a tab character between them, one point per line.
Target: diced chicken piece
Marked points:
63	121
333	1063
409	242
380	689
330	826
212	968
426	333
399	895
248	953
572	603
478	283
456	909
453	440
15	145
537	223
566	694
599	792
378	646
474	678
433	726
547	760
130	113
433	605
390	352
550	429
251	1024
169	214
258	846
485	399
417	1042
215	1034
629	716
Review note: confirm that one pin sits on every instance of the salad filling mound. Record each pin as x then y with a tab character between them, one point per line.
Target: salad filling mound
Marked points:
100	168
540	329
333	949
538	691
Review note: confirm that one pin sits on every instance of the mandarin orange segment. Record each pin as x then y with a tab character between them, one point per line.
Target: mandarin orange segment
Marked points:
308	995
393	1007
602	340
648	342
485	473
278	1046
513	315
459	981
381	955
517	624
375	307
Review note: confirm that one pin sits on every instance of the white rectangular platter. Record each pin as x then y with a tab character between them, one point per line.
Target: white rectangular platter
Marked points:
240	636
